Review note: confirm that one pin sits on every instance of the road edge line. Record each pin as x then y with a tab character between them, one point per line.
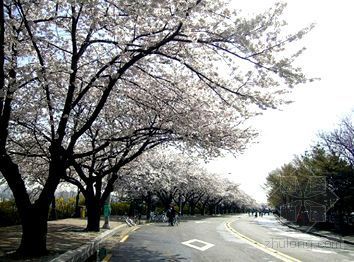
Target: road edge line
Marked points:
262	247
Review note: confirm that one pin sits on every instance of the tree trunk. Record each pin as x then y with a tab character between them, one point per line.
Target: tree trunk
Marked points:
203	208
77	200
183	206
33	216
53	210
131	210
211	209
148	200
167	202
192	207
93	215
34	231
166	198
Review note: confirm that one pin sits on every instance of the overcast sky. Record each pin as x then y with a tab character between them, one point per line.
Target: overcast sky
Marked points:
317	106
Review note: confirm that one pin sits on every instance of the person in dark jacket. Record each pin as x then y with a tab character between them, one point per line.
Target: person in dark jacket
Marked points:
171	214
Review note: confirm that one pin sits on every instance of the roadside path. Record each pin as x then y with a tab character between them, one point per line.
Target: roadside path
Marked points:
65	235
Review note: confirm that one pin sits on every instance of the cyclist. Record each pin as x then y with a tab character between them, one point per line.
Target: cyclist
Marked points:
171	214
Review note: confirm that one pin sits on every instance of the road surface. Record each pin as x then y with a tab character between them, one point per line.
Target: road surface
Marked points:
228	238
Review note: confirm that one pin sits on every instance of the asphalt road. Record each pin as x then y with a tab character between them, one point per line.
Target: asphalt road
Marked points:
228	238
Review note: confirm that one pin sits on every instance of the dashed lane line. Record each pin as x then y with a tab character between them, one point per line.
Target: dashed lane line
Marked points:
260	246
107	258
126	236
124	239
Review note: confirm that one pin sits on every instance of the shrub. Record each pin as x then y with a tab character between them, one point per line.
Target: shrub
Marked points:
8	213
119	209
65	208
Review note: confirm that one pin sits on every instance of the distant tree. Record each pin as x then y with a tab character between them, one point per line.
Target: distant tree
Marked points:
278	181
317	177
341	140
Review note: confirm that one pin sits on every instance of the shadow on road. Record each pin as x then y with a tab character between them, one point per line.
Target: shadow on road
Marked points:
130	253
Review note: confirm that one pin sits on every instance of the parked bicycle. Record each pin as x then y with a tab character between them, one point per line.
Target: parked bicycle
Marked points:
131	221
158	217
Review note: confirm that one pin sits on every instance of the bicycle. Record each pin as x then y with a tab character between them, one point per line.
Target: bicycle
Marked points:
130	222
175	220
158	217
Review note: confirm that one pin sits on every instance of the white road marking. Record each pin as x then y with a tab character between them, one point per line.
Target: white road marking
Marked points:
275	229
266	221
298	235
323	251
260	246
200	222
203	248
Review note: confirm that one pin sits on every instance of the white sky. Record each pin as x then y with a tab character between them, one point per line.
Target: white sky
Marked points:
318	106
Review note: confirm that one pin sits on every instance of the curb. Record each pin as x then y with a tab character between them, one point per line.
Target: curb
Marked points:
339	239
84	252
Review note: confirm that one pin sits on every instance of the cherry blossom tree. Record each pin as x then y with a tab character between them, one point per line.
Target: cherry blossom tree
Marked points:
171	176
95	170
232	198
160	172
214	191
189	71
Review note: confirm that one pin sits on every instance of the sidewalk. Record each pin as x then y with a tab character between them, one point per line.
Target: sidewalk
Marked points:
64	236
321	233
